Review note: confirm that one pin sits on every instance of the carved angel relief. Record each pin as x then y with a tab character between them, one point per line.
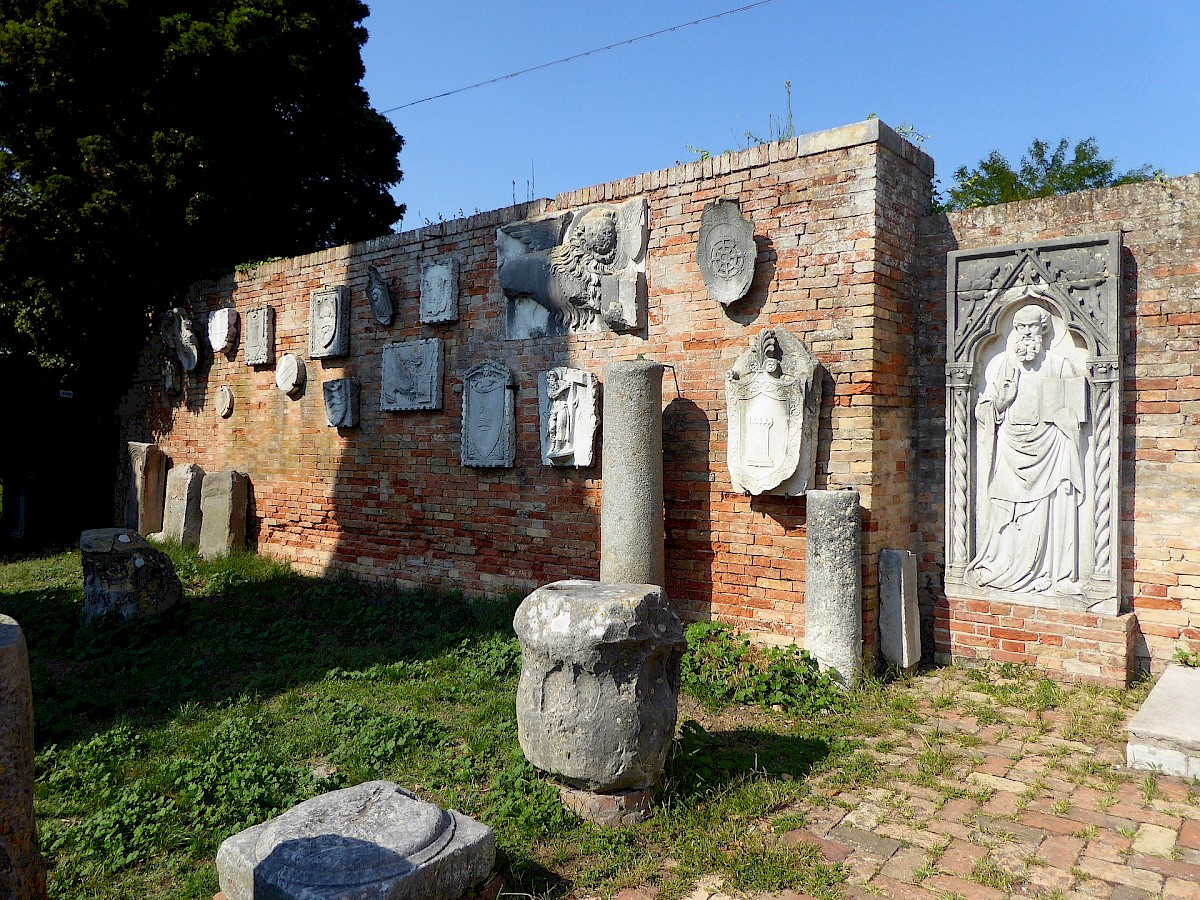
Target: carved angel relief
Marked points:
488	416
773	396
412	375
580	271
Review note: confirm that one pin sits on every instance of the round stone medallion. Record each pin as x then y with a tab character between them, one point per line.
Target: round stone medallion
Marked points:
289	374
225	403
222	329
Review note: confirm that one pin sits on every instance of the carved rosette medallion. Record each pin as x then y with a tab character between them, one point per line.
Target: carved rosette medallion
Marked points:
224	402
290	375
411	376
341	402
439	292
222	329
1033	429
260	336
488	416
329	328
726	251
773	398
380	296
569	403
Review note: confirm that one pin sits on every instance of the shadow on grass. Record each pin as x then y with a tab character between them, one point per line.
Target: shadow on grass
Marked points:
245	627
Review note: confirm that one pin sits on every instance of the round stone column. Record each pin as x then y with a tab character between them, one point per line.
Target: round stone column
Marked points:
631	506
833	584
24	875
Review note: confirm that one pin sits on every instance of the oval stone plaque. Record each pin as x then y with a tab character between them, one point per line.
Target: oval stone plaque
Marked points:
726	251
290	374
225	403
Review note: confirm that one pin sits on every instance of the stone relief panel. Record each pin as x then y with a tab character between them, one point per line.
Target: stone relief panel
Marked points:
380	296
726	251
179	334
773	400
489	432
290	375
439	292
412	375
569	403
577	271
222	329
1033	424
329	328
260	336
341	402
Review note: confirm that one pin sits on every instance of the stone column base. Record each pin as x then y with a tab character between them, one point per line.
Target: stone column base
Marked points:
610	810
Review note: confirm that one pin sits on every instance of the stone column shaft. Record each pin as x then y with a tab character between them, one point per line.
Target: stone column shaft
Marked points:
833	583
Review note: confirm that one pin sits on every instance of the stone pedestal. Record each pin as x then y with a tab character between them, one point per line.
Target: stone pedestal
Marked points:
833	584
600	668
181	519
22	870
147	488
122	573
224	504
1164	736
899	617
374	840
631	511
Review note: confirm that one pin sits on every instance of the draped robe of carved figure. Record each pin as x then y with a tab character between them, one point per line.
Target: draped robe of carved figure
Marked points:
1030	412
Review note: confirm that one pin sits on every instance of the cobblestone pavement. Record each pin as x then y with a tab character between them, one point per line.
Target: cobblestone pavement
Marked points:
981	801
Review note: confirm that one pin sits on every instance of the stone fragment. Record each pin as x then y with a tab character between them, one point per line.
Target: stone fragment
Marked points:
833	584
411	376
600	669
341	402
374	841
224	505
726	251
179	334
181	522
1164	736
146	487
569	404
329	326
222	329
22	869
380	296
122	573
610	810
899	617
290	375
489	422
773	398
439	292
631	504
224	402
260	336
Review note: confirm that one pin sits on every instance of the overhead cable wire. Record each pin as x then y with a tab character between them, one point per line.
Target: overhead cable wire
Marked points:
567	59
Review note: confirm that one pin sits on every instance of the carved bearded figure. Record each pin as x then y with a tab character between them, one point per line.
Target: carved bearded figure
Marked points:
1029	414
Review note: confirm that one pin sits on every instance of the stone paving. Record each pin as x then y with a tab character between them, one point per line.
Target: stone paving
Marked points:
983	801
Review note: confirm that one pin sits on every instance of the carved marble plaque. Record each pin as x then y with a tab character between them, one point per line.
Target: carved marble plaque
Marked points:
439	291
577	271
489	427
329	328
569	402
412	375
380	296
1033	420
222	329
773	398
726	251
179	334
260	336
225	402
290	375
341	402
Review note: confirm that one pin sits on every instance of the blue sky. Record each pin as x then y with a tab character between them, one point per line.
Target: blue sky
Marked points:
973	76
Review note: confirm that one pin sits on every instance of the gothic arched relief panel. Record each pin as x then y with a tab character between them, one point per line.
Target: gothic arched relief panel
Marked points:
1032	474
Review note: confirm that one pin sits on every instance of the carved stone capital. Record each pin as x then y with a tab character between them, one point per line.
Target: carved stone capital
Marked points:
1103	369
958	376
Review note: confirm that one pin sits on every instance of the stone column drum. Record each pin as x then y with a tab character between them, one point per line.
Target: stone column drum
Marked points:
22	870
600	668
631	503
833	584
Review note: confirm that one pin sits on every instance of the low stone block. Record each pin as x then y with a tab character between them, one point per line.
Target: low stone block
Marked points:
610	810
224	505
833	592
375	840
122	573
147	487
600	669
1164	736
181	520
899	617
22	869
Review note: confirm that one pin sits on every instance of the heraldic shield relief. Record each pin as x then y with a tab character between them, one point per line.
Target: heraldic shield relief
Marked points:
488	429
773	395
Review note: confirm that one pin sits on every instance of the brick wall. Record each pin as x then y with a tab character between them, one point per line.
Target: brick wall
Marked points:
1160	435
835	216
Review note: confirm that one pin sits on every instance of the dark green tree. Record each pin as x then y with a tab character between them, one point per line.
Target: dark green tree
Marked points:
1042	173
148	143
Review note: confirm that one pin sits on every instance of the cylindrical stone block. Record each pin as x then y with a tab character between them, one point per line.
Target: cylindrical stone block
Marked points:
22	871
833	584
631	506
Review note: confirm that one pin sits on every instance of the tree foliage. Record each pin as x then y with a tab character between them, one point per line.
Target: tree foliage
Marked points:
147	143
1041	173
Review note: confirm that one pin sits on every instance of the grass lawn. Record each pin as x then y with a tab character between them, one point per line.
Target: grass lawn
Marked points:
158	739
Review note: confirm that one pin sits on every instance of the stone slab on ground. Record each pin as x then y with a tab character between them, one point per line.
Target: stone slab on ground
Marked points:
122	573
1164	736
181	518
224	504
368	842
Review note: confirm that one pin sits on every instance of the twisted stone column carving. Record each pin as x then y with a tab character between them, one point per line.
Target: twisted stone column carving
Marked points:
958	382
1103	376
